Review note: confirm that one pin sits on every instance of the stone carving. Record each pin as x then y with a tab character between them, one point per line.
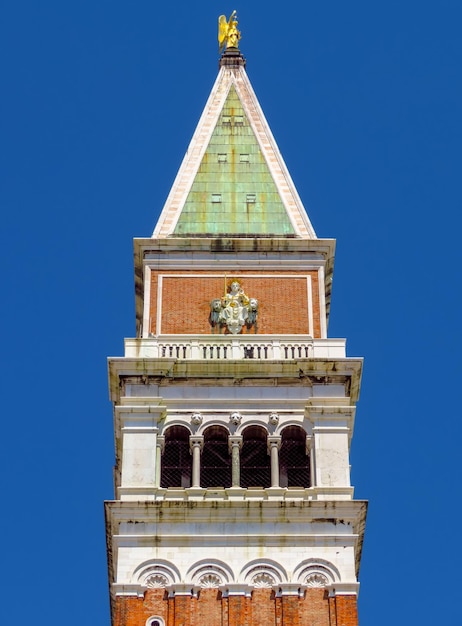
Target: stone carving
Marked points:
234	310
273	418
263	580
196	419
316	580
156	581
235	418
253	309
209	581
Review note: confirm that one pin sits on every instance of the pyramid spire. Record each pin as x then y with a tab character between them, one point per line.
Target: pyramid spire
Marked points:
233	180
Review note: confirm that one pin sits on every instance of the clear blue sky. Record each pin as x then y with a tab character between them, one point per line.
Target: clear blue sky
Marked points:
99	101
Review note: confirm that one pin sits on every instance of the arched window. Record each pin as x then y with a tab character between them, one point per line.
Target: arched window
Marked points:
294	463
255	460
215	458
176	459
155	621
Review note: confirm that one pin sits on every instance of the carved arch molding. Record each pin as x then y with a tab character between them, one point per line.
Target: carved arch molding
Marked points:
216	574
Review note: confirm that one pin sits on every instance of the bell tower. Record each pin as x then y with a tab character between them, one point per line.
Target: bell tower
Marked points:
233	409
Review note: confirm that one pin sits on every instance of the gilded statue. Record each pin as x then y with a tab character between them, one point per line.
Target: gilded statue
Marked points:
227	31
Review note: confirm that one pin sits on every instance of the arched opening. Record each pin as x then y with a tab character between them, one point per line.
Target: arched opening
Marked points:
255	460
176	459
294	462
216	459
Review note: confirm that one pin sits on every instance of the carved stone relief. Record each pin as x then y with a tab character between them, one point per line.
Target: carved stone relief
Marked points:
196	419
235	418
316	580
155	581
233	310
273	418
210	581
263	580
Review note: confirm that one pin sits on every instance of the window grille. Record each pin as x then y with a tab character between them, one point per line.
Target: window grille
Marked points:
255	461
176	460
216	458
294	463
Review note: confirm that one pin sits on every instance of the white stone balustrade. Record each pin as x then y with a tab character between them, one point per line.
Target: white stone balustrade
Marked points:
226	347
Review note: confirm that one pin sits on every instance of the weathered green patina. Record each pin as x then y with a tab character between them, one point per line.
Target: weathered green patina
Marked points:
233	192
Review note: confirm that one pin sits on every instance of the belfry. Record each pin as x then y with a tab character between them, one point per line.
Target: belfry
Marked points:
233	410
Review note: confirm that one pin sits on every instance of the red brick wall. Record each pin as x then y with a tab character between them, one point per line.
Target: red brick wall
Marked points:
209	608
131	611
282	302
262	609
315	609
346	610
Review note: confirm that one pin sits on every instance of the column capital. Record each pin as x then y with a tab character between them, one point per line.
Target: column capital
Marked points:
343	589
308	444
196	441
288	589
182	589
160	442
274	441
236	589
234	440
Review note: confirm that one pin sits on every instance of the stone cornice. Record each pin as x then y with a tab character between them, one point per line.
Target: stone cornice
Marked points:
166	371
270	518
342	513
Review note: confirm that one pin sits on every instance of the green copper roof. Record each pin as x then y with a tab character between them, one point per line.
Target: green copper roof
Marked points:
233	191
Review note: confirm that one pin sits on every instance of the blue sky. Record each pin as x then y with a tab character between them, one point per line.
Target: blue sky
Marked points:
100	100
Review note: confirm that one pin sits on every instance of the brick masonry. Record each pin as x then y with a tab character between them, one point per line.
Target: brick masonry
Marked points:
282	302
263	608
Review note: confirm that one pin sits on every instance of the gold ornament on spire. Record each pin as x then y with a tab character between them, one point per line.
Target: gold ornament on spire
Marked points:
227	31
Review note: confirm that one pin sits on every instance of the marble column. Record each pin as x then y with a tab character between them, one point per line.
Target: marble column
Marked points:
235	444
196	444
274	443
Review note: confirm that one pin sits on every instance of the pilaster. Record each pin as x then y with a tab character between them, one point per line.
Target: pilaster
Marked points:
332	428
139	429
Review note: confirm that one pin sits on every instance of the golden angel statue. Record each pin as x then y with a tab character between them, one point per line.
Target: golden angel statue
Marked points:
227	31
